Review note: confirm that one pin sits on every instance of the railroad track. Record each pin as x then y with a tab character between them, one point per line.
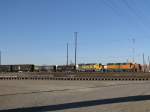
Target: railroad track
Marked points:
100	78
60	74
75	76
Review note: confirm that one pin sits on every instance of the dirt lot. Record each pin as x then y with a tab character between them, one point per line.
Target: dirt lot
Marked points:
75	96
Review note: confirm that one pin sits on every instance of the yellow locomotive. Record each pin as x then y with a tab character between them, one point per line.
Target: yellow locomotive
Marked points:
90	67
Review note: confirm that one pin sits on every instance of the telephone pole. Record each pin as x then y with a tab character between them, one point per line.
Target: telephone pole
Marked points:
67	54
75	37
0	57
143	63
148	64
133	49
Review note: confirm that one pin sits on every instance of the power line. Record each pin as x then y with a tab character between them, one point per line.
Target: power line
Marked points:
130	8
110	4
134	12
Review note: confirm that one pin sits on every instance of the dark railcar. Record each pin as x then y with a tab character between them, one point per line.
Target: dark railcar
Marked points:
65	68
23	68
47	68
5	68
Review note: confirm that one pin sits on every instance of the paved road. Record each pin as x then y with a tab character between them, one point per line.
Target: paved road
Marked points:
75	96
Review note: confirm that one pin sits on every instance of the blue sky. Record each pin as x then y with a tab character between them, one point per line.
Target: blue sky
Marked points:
36	31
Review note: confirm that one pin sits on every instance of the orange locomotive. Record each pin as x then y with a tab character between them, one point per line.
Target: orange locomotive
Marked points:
123	67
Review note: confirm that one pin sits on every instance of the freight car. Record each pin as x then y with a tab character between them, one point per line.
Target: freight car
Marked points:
17	68
65	68
22	68
45	68
5	68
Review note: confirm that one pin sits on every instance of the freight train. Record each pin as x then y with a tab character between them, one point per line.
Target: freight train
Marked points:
90	67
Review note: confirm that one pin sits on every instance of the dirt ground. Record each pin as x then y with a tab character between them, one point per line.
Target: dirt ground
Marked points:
74	96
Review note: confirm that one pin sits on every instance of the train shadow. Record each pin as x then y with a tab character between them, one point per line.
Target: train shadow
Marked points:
81	104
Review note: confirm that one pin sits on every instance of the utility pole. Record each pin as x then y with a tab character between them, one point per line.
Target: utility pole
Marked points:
148	64
143	63
75	37
133	49
0	57
67	54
